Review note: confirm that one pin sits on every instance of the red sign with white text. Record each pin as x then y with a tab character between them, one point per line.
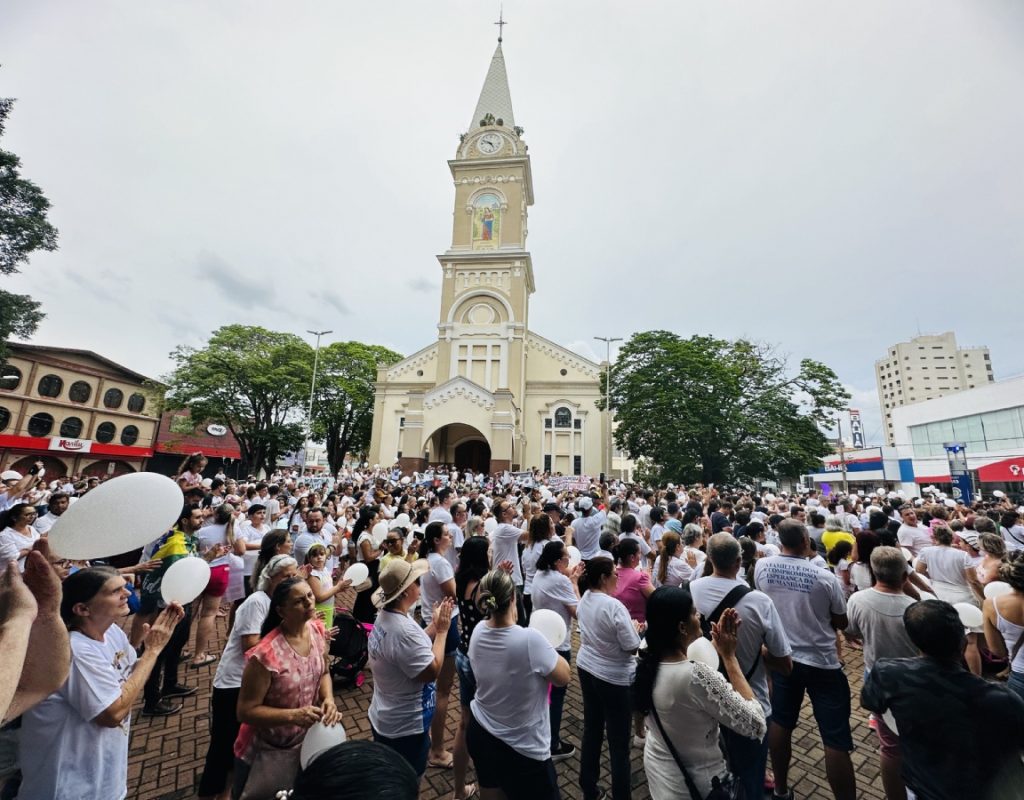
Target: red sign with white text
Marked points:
1009	469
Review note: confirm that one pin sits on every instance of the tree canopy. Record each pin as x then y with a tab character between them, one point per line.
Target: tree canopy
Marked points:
251	380
714	411
24	229
343	400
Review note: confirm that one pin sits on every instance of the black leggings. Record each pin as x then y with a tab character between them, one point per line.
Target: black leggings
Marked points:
606	707
223	732
167	662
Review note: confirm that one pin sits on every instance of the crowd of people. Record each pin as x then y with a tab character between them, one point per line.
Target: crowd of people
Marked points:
699	620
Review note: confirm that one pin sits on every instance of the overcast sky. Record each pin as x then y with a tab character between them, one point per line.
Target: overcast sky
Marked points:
826	176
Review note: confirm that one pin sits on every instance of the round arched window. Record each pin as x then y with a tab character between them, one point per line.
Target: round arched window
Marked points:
130	435
563	418
105	432
40	424
10	377
5	418
80	392
113	398
136	403
71	428
50	385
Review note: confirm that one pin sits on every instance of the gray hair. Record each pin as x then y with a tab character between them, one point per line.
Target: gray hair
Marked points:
723	550
833	523
691	533
889	565
274	566
475	526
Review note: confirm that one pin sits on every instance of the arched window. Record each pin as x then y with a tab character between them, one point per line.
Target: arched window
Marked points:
40	424
80	392
563	418
113	398
5	418
105	432
10	377
130	435
71	428
50	385
136	403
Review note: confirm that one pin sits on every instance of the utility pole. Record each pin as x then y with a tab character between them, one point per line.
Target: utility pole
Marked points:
608	400
842	454
312	391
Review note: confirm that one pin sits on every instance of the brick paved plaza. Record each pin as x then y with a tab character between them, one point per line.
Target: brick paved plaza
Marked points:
166	755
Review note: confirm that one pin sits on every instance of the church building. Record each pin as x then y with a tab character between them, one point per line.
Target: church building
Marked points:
490	394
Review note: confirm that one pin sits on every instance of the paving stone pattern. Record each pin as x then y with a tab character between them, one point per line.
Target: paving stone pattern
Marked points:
166	755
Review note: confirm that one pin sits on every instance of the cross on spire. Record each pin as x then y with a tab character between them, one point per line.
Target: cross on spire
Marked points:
501	23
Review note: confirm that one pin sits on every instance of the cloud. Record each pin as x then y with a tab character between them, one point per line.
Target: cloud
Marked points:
421	284
248	292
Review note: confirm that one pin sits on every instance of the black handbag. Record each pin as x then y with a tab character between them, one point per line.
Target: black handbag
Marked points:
721	789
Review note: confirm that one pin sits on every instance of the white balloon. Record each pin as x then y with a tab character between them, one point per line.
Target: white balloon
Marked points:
998	493
880	492
575	556
117	517
357	573
702	649
890	722
549	624
185	580
379	533
907	554
970	615
319	739
490	525
997	589
406	480
950	503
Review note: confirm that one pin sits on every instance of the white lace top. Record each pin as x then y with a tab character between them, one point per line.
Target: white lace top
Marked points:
692	699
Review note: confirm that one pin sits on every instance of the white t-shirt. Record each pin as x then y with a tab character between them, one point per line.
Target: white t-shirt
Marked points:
586	533
677	572
399	651
505	547
607	639
511	666
12	543
946	564
553	590
656	532
806	597
209	537
914	537
250	534
45	522
304	541
249	619
63	753
530	555
644	547
430	586
761	624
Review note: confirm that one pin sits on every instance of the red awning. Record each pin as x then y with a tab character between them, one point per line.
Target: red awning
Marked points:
932	479
1009	469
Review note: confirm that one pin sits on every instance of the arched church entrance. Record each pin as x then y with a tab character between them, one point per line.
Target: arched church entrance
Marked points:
461	446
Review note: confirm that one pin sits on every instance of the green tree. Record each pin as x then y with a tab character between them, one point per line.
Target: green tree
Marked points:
23	230
251	380
343	400
714	411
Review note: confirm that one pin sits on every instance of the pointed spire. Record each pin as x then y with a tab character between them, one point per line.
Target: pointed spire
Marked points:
494	97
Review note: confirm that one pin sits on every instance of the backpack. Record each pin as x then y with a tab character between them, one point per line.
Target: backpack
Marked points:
349	649
729	601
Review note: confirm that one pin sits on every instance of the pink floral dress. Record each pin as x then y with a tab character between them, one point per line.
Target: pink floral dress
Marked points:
294	683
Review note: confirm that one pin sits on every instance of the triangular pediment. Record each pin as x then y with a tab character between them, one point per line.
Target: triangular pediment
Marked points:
458	388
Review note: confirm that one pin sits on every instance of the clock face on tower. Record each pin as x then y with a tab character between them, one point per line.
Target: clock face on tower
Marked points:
489	143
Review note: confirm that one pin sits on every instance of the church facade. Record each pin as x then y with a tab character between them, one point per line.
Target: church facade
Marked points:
490	394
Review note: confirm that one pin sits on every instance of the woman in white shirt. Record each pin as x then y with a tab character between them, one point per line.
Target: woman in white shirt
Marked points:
17	534
555	589
438	584
75	743
542	531
953	579
687	700
608	639
669	568
509	736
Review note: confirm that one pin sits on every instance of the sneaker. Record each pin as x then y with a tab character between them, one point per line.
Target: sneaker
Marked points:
562	752
161	709
639	741
179	690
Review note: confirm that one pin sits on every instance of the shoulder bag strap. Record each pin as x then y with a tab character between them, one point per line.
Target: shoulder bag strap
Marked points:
694	794
729	601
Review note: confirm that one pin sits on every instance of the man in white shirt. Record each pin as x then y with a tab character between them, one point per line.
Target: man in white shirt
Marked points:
912	535
761	626
505	541
586	530
812	607
58	505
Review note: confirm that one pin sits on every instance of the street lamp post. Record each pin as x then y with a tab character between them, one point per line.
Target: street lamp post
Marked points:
608	399
312	391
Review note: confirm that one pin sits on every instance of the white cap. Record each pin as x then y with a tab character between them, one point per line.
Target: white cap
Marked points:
585	503
10	475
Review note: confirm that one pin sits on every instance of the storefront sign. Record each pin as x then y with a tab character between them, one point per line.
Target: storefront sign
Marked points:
963	491
216	430
70	445
1007	470
856	429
